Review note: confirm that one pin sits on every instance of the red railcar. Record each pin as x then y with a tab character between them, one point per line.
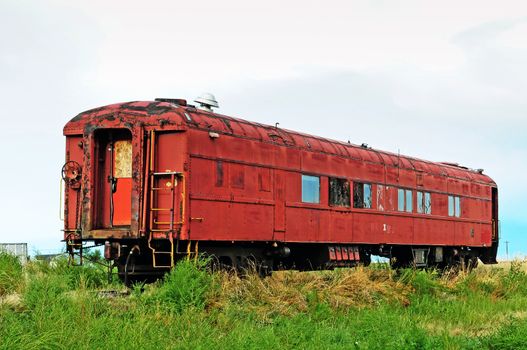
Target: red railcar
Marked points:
161	180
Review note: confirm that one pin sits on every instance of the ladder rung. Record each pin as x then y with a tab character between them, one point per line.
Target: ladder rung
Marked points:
162	188
160	209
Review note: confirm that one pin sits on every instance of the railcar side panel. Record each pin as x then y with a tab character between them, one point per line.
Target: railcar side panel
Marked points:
398	229
432	231
306	224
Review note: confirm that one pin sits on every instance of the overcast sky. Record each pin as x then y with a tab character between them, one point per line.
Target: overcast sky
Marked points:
440	80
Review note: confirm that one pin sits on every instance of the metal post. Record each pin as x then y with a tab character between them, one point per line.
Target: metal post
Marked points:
507	249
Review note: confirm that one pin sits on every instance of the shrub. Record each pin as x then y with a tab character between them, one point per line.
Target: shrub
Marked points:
513	282
187	285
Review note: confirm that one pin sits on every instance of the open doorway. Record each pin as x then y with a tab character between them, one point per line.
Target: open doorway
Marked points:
113	178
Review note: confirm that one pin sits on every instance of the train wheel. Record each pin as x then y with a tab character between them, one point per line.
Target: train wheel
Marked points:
470	263
401	258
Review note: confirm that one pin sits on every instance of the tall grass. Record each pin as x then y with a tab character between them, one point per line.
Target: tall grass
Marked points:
10	273
61	307
186	286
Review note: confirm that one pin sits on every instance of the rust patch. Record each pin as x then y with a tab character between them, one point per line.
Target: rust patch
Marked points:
153	108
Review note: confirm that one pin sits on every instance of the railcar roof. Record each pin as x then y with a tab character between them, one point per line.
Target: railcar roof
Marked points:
157	113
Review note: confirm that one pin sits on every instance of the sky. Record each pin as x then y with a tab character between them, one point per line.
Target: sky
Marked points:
439	80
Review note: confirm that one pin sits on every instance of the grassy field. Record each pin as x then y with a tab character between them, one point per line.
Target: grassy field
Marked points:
62	307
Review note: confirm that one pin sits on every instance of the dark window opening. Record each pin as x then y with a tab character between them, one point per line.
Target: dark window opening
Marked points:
219	173
361	195
237	173
339	192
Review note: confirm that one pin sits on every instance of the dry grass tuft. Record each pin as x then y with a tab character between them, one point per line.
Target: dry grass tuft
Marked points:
290	292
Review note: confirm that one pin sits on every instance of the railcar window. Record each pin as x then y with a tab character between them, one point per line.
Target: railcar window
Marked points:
123	159
367	196
400	199
428	203
404	200
339	192
454	206
420	203
310	189
424	203
361	195
409	201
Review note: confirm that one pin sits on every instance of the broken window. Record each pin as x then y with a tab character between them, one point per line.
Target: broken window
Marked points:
361	195
310	189
339	192
428	203
420	202
123	159
424	203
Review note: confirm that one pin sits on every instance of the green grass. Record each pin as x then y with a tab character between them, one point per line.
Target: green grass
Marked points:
56	306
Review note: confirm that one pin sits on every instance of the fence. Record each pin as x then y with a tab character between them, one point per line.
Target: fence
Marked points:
17	249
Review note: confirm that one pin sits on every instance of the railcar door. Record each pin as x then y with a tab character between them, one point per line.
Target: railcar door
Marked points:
113	174
121	182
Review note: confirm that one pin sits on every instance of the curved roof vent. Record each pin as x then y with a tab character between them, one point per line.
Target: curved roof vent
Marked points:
207	101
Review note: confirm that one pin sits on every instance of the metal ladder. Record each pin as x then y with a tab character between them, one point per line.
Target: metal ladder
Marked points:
160	227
